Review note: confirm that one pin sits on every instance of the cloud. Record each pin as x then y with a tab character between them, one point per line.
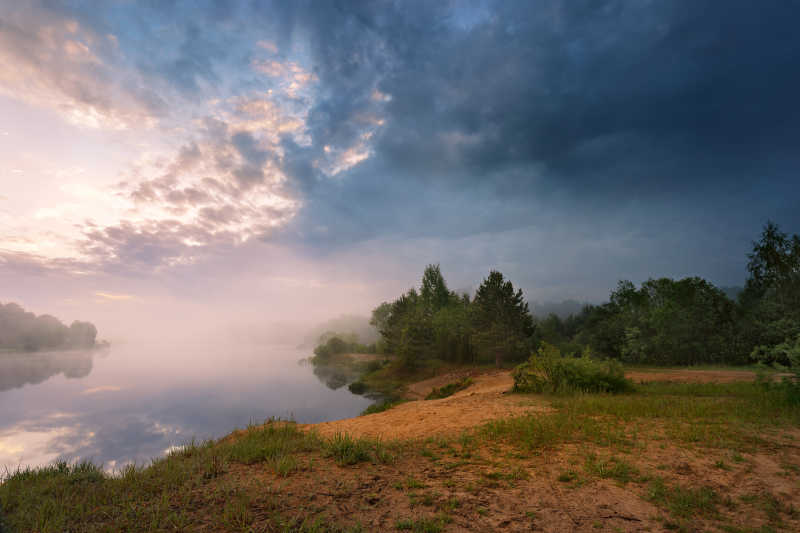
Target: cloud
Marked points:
222	189
52	61
103	388
114	297
323	127
582	111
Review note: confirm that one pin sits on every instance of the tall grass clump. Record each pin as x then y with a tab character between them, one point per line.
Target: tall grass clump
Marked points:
50	498
548	371
272	442
347	450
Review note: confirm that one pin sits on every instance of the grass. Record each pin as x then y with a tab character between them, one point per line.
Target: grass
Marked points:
347	450
634	367
381	406
424	525
723	413
611	468
174	490
237	483
449	389
682	501
273	442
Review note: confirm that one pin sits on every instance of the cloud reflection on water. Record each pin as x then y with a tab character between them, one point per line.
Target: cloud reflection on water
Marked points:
130	408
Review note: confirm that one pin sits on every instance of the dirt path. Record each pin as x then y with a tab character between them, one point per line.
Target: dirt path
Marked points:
485	400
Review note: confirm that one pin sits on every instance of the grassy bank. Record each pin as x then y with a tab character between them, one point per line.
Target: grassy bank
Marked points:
685	456
392	379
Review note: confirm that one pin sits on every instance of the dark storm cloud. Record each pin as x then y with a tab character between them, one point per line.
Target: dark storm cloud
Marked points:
664	125
650	107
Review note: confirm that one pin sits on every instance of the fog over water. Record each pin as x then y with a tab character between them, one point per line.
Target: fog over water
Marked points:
134	400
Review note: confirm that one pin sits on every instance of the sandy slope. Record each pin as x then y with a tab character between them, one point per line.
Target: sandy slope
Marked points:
482	401
486	399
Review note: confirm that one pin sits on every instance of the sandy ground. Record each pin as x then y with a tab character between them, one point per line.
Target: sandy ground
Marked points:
486	399
757	489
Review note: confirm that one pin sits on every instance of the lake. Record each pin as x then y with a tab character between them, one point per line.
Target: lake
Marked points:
132	402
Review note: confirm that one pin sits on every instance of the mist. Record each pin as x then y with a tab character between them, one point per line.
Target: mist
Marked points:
216	185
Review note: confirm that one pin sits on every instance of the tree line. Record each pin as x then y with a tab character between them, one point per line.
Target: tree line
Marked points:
662	322
435	322
24	331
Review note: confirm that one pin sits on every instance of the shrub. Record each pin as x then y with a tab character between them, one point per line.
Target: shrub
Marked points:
789	352
449	389
374	365
548	371
333	346
381	407
357	387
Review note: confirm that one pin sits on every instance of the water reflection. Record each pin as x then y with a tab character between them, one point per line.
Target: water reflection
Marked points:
335	377
141	400
18	369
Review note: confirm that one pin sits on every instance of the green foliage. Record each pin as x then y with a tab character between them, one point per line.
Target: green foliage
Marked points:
771	299
434	294
774	266
661	322
502	322
332	344
416	338
692	322
452	329
685	322
449	389
381	406
435	322
548	371
357	387
788	352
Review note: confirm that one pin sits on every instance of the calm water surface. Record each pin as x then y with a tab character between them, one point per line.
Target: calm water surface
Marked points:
132	402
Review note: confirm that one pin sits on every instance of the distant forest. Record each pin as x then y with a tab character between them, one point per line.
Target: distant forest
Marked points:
662	321
24	331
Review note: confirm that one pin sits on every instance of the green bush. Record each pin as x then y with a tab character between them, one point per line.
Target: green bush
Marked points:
788	352
548	371
449	389
374	365
357	387
381	406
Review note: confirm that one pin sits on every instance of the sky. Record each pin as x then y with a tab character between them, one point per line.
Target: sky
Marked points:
185	161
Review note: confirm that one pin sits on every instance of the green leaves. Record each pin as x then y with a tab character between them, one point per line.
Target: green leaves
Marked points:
501	319
548	371
437	323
